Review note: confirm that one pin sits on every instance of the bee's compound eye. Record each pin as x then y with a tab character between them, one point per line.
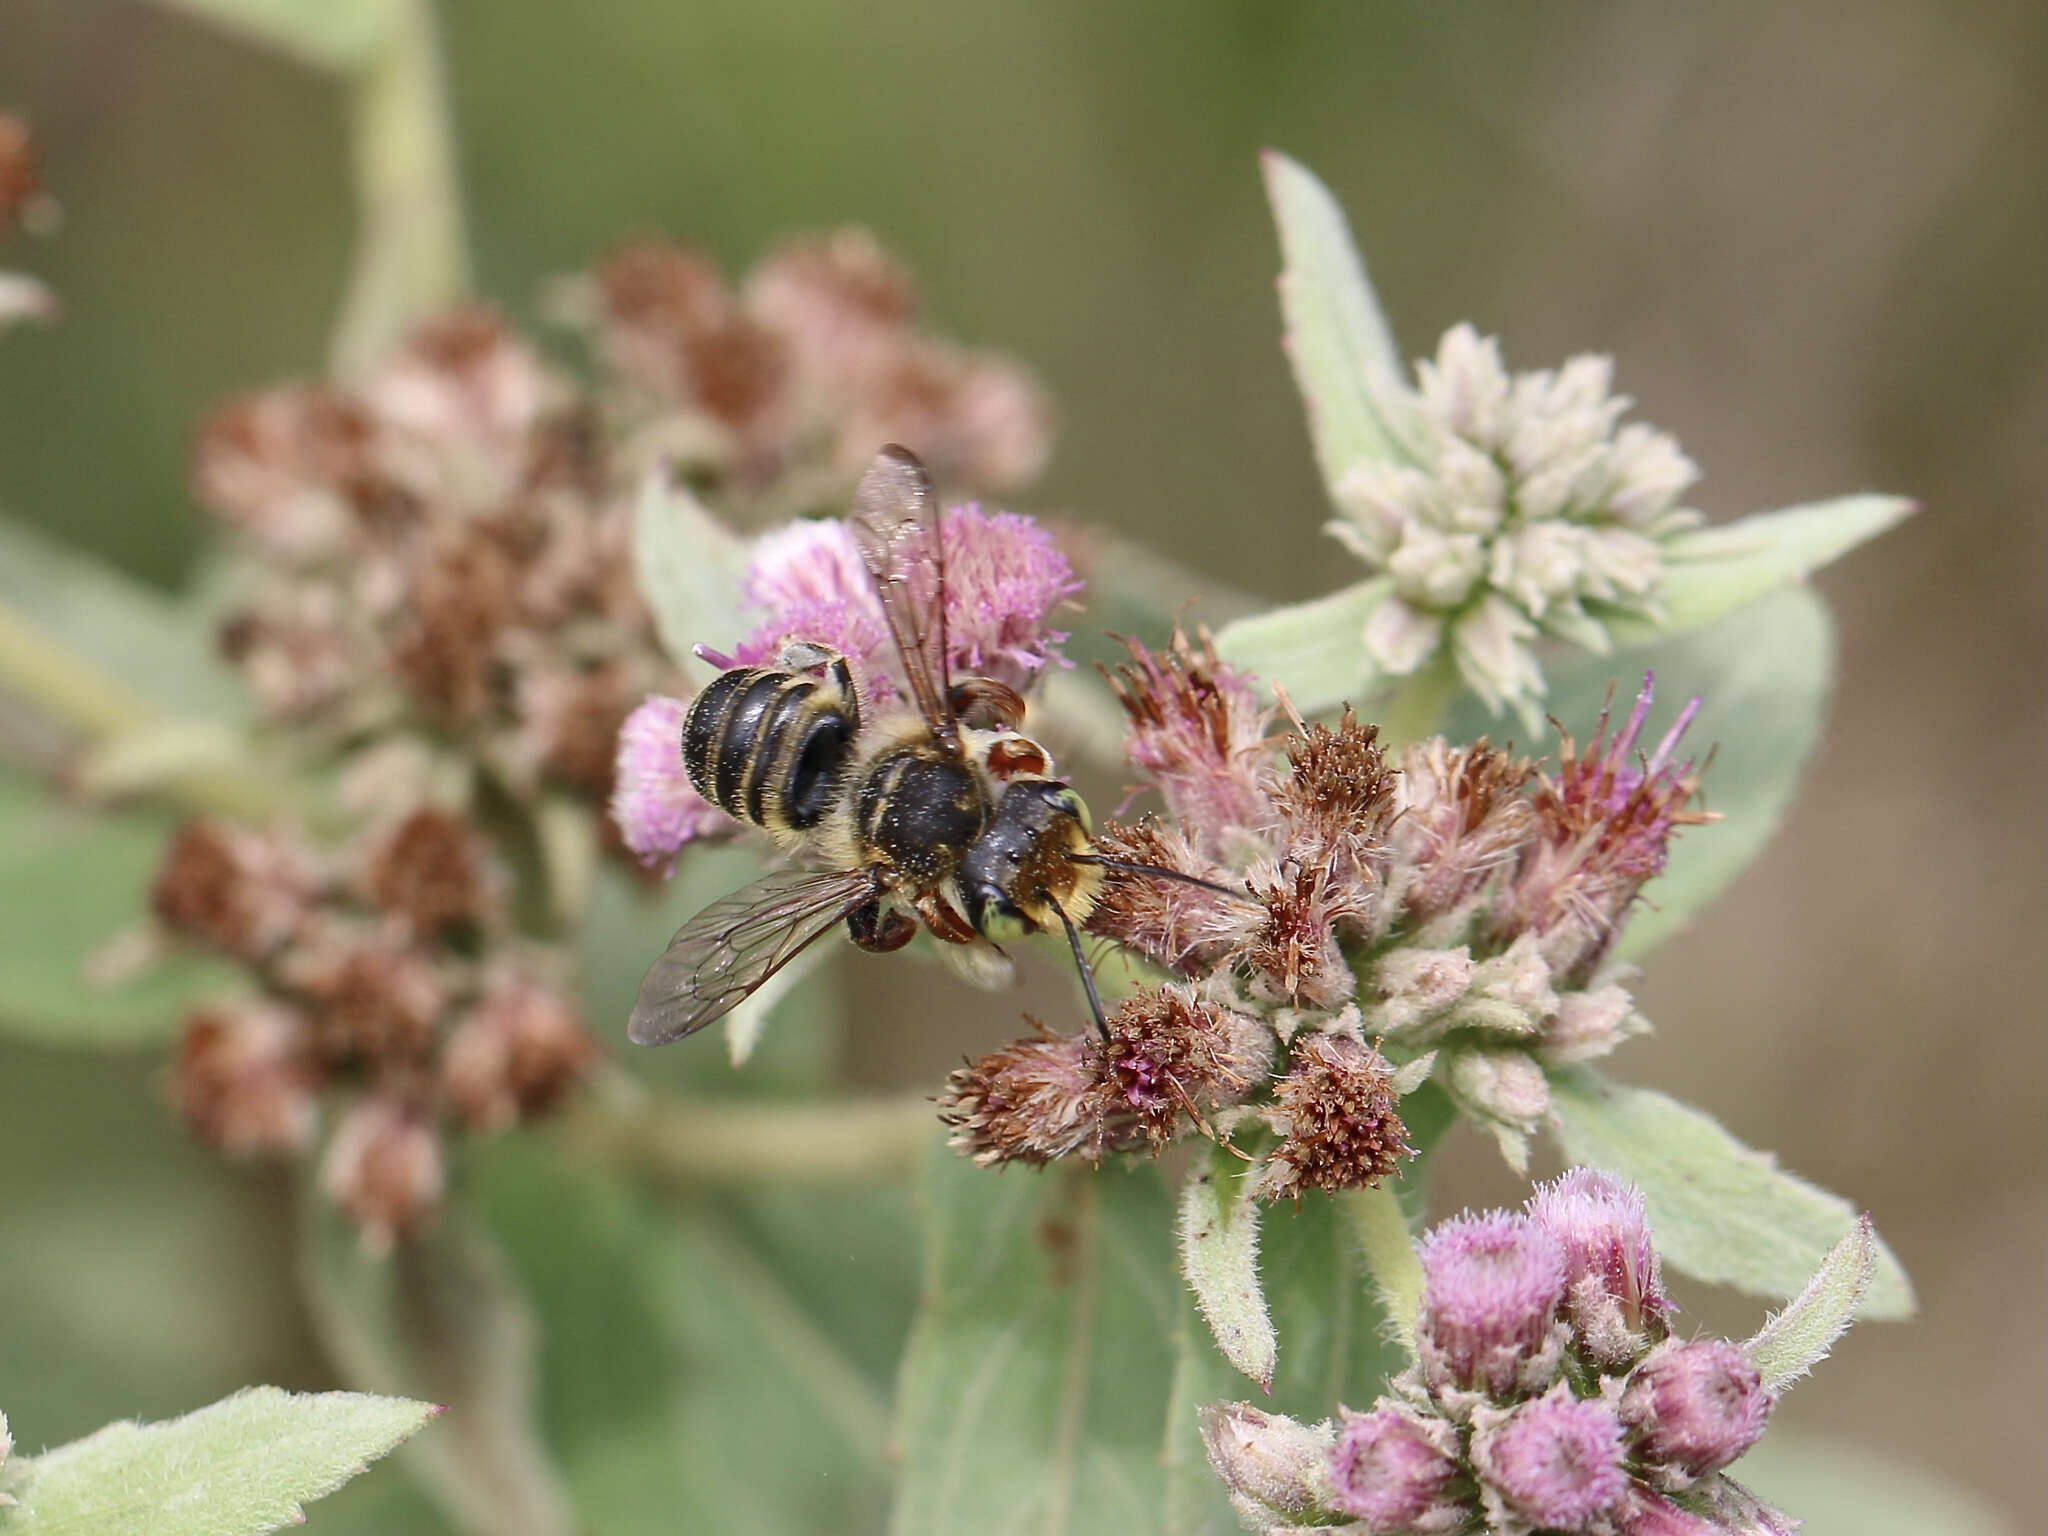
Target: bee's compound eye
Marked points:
1074	806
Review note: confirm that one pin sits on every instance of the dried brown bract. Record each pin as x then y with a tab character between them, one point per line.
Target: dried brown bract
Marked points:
1335	1109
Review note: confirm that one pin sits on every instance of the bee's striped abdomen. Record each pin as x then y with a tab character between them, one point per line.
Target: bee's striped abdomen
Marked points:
769	746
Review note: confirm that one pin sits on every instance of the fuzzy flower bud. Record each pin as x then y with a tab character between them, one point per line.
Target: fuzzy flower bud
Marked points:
654	805
1492	1286
515	1054
1588	1025
1615	1299
1395	1470
1335	1108
1523	510
1553	1463
1695	1406
384	1167
1416	987
1735	1511
245	1078
1199	734
1276	1466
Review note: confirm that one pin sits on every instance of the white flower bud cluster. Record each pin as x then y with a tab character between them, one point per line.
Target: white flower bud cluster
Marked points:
1523	508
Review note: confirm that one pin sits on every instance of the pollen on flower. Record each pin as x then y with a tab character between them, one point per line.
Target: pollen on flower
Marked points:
656	808
1335	1109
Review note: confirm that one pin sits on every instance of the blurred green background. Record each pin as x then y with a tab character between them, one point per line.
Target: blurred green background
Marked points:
1814	236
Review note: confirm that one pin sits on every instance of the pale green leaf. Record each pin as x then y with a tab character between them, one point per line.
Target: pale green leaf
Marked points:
1031	1390
325	34
90	872
691	568
1839	1489
442	1317
1380	1228
1337	339
1720	1211
238	1468
1713	572
1314	650
1763	675
159	649
1799	1338
1219	1256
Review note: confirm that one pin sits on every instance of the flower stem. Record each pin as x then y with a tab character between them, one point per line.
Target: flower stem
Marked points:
1416	708
411	256
688	1145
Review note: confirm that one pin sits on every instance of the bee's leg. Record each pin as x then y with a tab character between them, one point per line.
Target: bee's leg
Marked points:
807	656
873	929
987	704
944	919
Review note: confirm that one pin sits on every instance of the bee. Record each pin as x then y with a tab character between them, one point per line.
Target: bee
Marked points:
942	814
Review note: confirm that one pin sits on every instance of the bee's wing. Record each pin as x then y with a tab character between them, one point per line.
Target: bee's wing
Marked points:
732	946
896	528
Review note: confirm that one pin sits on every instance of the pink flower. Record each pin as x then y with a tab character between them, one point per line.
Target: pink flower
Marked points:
1492	1285
656	807
1394	1470
1695	1406
1615	1300
1555	1461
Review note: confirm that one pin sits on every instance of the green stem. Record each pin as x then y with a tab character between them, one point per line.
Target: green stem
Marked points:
1416	709
689	1145
411	254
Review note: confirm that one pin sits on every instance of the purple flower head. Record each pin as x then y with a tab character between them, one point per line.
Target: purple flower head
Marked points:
1004	577
1614	1297
1695	1406
1395	1471
1492	1284
654	804
1604	826
1554	1461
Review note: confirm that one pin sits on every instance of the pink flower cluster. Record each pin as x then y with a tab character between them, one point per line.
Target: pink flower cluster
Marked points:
1004	578
1547	1395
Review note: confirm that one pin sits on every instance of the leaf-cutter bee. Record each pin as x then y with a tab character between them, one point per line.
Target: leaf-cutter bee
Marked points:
942	813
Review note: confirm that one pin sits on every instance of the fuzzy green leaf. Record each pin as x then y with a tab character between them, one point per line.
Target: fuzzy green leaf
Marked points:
1030	1394
1799	1338
691	568
1337	338
156	647
442	1317
1713	572
1380	1229
238	1468
90	872
325	34
1315	650
1763	675
1720	1211
1219	1256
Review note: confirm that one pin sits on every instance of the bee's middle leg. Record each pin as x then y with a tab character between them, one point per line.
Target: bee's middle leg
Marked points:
874	929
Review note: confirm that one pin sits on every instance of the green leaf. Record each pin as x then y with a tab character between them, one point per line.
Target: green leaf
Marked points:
238	1468
1720	1211
442	1317
676	1337
1219	1256
159	649
90	872
1380	1229
1839	1489
1315	650
324	34
1763	675
1713	572
1031	1392
691	568
1799	1338
1337	339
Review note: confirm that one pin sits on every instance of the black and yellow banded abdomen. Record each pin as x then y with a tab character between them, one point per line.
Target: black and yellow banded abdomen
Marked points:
769	747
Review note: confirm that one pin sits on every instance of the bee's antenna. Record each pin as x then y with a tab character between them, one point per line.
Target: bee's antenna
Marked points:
1081	960
1164	874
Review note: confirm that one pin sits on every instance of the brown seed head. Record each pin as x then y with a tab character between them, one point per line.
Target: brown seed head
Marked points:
1295	956
288	467
430	871
514	1054
243	891
1337	801
1182	927
461	598
1340	1127
384	1167
245	1078
374	999
1461	819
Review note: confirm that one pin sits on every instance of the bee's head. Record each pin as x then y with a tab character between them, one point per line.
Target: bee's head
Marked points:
1022	866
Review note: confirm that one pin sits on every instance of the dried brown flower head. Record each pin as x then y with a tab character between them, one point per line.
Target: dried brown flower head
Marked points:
244	892
289	468
1461	819
1181	927
375	998
445	648
20	182
430	871
1295	956
384	1167
1335	1109
245	1078
1336	801
516	1052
